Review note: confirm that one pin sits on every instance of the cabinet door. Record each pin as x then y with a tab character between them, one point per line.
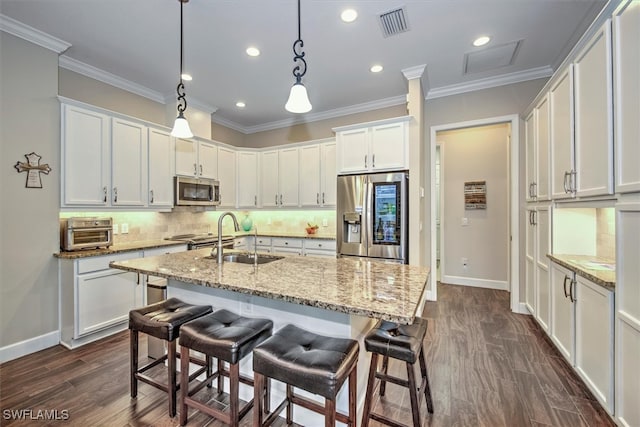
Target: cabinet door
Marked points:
269	178
542	150
207	160
160	169
227	176
288	176
247	179
543	237
128	163
353	150
328	175
561	102
626	69
104	298
530	141
389	147
562	311
593	116
186	157
530	263
310	176
85	157
594	339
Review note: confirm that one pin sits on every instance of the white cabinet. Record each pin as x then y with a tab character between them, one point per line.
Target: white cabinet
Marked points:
128	163
322	248
280	177
310	176
562	311
537	264
95	300
85	157
594	116
375	146
626	69
530	153
161	168
328	174
562	138
537	152
627	318
286	246
594	339
196	158
227	176
247	179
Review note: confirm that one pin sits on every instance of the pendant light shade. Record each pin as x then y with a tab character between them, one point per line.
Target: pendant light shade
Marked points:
181	127
298	101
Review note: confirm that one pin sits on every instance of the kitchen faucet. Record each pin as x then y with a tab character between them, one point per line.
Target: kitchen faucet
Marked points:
219	248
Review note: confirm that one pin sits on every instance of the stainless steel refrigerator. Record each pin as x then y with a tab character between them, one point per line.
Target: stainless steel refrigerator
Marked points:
372	213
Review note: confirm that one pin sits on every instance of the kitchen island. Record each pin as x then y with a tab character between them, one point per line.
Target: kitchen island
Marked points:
337	297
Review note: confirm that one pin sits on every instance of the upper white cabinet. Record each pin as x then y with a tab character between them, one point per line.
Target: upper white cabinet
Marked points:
128	163
626	72
594	116
375	146
537	133
85	157
227	176
161	168
280	175
318	176
247	179
530	152
196	158
269	178
562	138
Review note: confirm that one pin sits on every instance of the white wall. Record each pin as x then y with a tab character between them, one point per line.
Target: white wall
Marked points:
28	217
475	154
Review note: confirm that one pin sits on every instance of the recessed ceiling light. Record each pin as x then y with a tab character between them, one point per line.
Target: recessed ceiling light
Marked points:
240	104
186	77
253	51
376	68
481	41
348	15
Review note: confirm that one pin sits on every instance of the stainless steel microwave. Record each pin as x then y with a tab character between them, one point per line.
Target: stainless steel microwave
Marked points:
196	191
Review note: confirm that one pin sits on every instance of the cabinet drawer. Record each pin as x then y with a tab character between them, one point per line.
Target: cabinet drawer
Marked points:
263	241
164	250
328	245
287	243
102	262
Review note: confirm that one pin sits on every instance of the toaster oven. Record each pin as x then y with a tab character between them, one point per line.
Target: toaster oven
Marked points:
78	233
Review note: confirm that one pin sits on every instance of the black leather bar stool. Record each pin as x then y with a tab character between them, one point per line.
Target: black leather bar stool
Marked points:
311	362
404	343
162	320
229	338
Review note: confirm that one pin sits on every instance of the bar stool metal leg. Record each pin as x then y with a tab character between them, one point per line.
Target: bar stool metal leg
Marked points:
133	344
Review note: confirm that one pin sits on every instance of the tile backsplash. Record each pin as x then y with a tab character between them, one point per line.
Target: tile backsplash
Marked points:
606	233
158	225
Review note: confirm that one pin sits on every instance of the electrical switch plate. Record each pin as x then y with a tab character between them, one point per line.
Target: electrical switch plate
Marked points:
268	221
125	228
464	222
115	229
325	223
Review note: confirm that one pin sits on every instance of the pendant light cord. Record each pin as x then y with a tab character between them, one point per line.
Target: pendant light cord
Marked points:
301	65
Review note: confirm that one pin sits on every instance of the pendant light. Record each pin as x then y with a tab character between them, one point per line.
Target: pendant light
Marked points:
181	127
298	100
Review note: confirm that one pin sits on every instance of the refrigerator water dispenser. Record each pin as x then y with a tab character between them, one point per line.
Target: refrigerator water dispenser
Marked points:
351	227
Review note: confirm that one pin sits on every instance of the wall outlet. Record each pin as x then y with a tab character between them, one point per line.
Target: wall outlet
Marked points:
268	221
124	228
464	262
115	229
464	222
325	222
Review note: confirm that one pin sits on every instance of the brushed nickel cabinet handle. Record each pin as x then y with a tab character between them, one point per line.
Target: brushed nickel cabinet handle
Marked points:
201	169
365	161
317	198
276	199
373	161
195	169
564	286
151	191
280	199
104	190
323	197
115	194
255	200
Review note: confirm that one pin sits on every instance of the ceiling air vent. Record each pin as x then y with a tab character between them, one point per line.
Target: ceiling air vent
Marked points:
394	22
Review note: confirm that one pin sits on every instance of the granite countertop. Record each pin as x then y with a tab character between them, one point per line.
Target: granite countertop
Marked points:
599	270
362	287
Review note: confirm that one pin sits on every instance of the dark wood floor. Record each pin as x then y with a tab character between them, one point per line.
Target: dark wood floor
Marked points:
487	366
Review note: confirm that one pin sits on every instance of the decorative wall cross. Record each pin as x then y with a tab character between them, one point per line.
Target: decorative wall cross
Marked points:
34	169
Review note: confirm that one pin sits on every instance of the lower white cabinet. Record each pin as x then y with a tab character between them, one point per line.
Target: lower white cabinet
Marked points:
95	300
286	246
562	311
325	248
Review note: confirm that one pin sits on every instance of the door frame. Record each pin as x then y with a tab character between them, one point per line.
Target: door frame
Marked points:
513	202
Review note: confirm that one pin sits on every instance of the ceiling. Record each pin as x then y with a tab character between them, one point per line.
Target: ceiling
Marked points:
137	42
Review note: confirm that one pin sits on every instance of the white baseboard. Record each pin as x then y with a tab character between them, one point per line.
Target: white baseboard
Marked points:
22	348
521	308
477	283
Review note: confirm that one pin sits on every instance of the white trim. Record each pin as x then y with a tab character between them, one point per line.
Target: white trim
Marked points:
22	348
373	123
33	35
521	308
490	82
476	283
415	72
513	284
229	124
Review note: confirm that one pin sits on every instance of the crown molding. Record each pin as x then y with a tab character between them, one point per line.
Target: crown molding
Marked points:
229	124
490	82
415	72
108	78
30	34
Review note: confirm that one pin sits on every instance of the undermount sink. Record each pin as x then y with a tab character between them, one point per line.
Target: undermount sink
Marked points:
248	259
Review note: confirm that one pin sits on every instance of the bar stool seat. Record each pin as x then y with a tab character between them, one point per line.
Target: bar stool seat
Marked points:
161	320
403	343
315	363
229	338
